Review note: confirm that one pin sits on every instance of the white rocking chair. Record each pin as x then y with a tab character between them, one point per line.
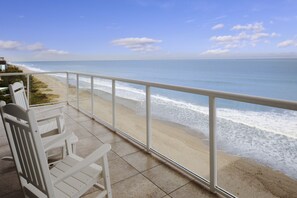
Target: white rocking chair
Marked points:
53	122
18	96
71	177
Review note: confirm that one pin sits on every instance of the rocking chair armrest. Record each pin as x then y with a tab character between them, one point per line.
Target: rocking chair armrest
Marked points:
49	117
93	157
57	138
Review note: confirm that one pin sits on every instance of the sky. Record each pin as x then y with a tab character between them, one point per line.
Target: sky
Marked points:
147	29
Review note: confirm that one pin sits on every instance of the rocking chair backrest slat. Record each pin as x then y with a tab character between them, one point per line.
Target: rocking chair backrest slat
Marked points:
27	147
18	94
27	155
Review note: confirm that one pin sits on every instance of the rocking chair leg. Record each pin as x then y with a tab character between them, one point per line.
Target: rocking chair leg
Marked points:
106	176
74	148
7	158
64	152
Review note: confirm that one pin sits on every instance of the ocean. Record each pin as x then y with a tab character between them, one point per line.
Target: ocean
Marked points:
267	135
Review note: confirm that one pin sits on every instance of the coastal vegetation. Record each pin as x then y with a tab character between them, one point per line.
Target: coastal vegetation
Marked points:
39	91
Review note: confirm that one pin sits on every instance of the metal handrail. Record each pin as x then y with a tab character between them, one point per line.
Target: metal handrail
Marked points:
211	94
284	104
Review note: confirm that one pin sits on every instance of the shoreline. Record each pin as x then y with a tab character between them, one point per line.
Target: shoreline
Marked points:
240	176
50	81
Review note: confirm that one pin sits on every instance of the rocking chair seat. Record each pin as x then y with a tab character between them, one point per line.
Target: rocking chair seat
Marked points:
74	185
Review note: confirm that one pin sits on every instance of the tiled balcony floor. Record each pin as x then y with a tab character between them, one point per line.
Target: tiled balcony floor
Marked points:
134	173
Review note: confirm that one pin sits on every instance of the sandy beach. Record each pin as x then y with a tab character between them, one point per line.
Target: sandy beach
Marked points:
242	177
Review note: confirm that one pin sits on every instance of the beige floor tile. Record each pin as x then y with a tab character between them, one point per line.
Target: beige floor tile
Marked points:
6	166
94	127
109	137
166	178
111	156
9	184
141	161
79	131
71	111
119	170
137	187
123	148
15	194
192	190
79	117
68	120
92	194
86	146
3	138
4	150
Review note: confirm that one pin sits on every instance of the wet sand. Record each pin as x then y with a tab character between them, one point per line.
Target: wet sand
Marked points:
241	177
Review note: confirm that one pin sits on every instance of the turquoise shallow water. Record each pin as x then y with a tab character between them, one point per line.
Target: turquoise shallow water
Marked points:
268	135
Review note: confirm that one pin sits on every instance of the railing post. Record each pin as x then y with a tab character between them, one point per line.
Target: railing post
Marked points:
67	88
113	105
148	118
28	89
92	96
77	91
212	144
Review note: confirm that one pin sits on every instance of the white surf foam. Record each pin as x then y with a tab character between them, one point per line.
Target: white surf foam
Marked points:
268	137
29	67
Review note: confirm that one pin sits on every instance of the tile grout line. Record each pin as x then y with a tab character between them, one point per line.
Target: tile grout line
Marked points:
138	172
157	185
154	182
122	157
180	187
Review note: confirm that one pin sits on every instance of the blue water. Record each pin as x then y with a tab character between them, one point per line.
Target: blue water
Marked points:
273	78
265	134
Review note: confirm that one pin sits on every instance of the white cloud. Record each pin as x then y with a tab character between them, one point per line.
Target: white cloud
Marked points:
273	35
56	52
228	39
138	44
215	52
10	45
242	39
232	45
259	35
256	27
287	43
218	26
35	47
248	35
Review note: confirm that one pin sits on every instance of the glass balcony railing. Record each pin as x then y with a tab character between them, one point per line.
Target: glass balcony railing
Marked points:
215	137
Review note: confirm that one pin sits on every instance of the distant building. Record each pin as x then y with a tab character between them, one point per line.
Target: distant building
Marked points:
2	64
